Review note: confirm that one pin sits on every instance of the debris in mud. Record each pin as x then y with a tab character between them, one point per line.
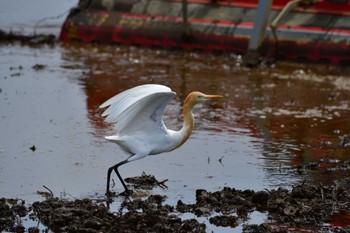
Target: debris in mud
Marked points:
39	67
146	182
33	148
345	140
305	206
254	228
224	221
85	216
11	212
17	74
324	165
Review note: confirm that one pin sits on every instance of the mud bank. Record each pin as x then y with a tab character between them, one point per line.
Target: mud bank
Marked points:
38	39
307	207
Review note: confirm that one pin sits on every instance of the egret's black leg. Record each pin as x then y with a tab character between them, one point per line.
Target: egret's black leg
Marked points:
115	168
108	178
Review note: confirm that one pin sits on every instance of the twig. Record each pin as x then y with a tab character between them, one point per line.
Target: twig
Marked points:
113	183
220	160
303	183
49	190
46	18
161	183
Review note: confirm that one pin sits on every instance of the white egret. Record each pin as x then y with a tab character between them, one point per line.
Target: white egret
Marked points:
137	114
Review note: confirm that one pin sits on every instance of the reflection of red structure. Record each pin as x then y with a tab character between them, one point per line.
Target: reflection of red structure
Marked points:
340	219
97	93
253	98
318	31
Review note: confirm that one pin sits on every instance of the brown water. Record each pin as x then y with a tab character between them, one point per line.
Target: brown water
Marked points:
271	120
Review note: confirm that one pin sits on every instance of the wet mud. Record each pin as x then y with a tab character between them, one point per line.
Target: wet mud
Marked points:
145	181
305	206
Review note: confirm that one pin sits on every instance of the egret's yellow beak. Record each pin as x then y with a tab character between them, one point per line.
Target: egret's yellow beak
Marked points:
212	97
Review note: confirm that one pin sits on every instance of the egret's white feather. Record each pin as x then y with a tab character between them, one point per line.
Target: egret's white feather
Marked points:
137	114
139	108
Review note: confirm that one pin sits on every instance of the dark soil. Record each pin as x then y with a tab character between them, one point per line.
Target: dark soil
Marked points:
303	207
147	215
145	182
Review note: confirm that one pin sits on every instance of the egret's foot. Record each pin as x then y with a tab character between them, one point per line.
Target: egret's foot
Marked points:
126	193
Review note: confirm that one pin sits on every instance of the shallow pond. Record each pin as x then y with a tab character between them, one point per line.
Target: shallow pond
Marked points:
273	123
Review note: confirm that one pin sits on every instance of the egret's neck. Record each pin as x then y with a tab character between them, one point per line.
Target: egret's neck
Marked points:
188	123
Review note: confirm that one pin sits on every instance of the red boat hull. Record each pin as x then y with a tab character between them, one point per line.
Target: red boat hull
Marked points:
319	32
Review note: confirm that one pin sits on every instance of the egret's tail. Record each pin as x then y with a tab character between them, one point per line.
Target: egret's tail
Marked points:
113	138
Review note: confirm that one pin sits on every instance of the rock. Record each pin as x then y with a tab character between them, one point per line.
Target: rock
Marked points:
224	221
260	198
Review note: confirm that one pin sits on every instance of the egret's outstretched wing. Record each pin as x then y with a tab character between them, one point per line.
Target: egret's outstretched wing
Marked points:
139	108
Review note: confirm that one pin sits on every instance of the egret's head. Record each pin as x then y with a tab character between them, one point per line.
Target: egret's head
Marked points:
197	97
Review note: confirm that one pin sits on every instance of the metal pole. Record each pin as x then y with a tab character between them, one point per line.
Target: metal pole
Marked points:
185	17
252	57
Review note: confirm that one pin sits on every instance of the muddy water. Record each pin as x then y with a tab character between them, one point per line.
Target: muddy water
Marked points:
271	126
